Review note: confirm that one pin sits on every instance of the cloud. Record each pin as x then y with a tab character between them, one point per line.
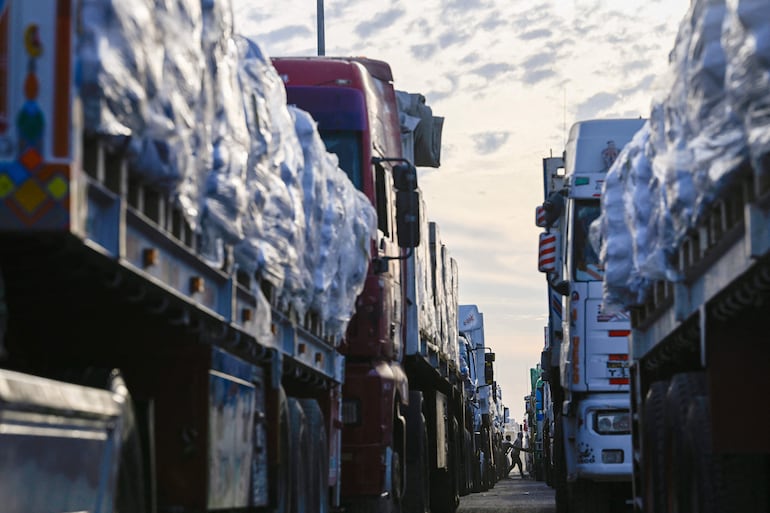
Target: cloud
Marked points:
464	6
494	21
538	75
637	64
536	34
526	20
539	60
595	104
379	22
438	95
642	86
471	58
423	52
492	70
289	32
452	37
489	142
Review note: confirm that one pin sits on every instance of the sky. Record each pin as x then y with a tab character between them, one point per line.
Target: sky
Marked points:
509	77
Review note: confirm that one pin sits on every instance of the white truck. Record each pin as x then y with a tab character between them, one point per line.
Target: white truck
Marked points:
471	326
686	247
586	360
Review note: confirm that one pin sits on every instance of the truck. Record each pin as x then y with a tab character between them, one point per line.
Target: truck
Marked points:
689	199
404	397
189	278
586	360
536	407
483	433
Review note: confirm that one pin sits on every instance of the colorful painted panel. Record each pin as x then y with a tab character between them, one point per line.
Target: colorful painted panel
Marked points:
35	112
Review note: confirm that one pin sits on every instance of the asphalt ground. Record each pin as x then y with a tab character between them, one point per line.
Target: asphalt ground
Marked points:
512	494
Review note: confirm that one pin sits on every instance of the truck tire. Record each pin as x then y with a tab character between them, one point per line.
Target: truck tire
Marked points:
444	494
417	493
653	447
700	486
469	459
744	482
398	460
298	465
589	497
318	464
281	486
677	466
476	486
559	468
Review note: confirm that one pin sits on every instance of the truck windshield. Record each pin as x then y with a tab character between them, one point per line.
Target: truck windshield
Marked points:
346	144
586	262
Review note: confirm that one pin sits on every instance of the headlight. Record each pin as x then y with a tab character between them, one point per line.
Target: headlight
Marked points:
616	422
612	456
351	412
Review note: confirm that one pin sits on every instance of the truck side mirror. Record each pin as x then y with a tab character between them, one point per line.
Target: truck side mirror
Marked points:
405	177
562	287
408	218
489	372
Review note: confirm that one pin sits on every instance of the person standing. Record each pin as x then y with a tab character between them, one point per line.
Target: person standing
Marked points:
515	449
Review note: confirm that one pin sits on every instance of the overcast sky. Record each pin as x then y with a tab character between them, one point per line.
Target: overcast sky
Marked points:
510	77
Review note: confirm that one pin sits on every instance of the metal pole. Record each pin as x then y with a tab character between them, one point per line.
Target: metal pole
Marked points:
320	22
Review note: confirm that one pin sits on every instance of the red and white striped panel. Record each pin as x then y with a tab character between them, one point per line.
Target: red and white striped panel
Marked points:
546	262
540	216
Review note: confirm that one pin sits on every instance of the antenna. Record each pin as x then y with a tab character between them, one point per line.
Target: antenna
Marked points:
564	119
320	23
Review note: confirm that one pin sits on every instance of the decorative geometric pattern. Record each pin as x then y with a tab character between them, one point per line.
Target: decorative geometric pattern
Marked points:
30	196
57	187
6	186
30	187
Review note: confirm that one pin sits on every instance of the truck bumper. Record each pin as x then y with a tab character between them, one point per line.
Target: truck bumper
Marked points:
600	456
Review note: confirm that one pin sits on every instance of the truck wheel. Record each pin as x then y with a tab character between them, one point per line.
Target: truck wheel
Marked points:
398	461
318	464
744	484
476	471
701	485
417	494
653	446
559	469
446	498
677	466
300	448
589	497
281	488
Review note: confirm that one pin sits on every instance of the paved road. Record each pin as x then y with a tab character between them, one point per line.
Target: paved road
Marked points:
512	495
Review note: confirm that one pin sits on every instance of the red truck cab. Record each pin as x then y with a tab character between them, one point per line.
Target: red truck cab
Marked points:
354	103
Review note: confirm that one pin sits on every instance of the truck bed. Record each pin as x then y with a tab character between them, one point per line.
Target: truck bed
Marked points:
127	259
724	263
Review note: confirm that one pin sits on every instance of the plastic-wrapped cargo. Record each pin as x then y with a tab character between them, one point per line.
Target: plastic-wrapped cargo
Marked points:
274	231
201	114
224	195
438	285
746	40
611	233
340	222
427	318
141	72
453	302
716	134
713	116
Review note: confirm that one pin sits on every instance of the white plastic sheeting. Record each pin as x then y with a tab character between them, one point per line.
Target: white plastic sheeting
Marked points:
713	116
201	115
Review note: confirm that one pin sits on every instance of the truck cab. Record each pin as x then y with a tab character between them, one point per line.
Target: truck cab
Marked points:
354	103
592	344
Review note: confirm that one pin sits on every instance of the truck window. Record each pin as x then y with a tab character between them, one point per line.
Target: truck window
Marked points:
586	263
346	144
